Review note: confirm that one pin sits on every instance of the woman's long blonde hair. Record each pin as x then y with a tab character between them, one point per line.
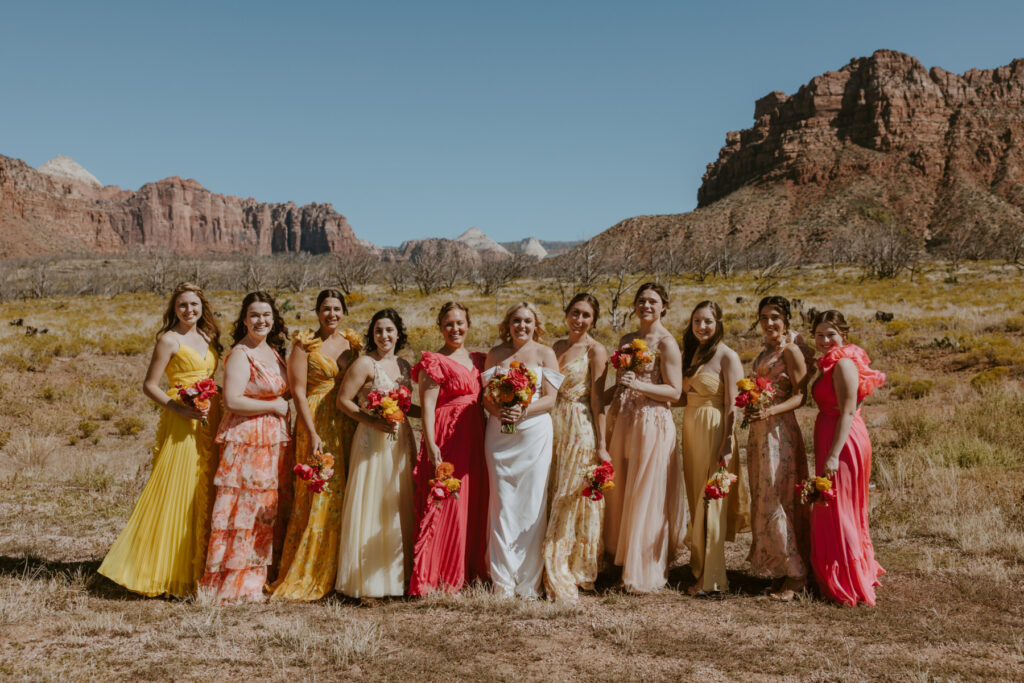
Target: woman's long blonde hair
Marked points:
207	321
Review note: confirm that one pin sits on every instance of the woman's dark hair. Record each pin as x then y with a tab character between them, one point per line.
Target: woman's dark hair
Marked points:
449	306
658	289
779	303
392	315
696	354
588	298
833	318
330	294
278	331
207	321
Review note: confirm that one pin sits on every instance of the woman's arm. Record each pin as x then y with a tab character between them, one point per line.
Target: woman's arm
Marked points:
405	371
236	376
494	357
358	374
732	372
599	376
297	372
163	350
546	401
671	374
429	390
844	379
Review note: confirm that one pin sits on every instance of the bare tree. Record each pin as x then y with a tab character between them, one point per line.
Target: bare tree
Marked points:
301	271
255	274
351	272
887	251
492	276
1011	242
396	277
622	278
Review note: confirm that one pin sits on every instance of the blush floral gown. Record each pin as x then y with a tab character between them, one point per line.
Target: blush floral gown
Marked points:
842	556
377	517
162	548
254	491
573	548
645	515
451	542
309	559
776	462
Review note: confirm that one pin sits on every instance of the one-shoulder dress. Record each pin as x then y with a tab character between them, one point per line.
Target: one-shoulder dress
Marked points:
162	548
842	556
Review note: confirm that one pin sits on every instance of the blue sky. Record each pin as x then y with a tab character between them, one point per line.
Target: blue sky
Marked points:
416	119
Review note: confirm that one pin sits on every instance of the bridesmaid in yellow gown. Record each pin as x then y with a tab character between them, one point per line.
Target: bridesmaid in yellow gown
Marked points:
573	546
309	559
162	548
710	372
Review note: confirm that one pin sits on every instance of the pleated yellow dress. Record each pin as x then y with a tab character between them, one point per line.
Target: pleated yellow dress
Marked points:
716	522
162	548
309	560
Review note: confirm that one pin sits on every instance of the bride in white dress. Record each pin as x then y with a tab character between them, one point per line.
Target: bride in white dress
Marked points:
519	463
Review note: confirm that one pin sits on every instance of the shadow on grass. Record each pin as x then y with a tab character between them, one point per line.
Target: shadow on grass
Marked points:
95	584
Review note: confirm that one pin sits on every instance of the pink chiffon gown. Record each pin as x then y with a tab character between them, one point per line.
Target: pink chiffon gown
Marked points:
451	540
842	556
645	514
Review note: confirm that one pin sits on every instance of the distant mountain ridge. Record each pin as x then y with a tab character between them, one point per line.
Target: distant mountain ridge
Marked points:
882	144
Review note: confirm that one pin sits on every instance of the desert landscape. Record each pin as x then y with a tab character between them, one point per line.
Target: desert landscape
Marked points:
892	192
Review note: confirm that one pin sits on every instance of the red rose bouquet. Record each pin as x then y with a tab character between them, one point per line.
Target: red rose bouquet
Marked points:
816	490
515	386
756	393
198	394
391	405
444	485
718	485
598	481
318	472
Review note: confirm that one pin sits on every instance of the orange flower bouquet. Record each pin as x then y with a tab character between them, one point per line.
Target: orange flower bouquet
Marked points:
391	406
198	394
756	393
816	490
515	386
632	356
318	472
444	485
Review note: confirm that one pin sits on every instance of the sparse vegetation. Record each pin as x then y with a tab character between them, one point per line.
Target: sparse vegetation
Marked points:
947	516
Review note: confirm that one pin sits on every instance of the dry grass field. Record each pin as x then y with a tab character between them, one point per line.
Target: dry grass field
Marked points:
947	513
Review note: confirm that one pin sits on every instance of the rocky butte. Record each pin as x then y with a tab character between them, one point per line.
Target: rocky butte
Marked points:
61	208
880	143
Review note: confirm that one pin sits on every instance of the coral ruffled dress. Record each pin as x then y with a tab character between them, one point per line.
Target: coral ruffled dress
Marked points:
253	493
162	548
842	556
451	542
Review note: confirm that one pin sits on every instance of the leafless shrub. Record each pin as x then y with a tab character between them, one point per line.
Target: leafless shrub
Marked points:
351	272
622	278
886	251
396	276
256	274
492	276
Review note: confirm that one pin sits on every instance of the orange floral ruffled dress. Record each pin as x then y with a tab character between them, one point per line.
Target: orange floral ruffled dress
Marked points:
253	493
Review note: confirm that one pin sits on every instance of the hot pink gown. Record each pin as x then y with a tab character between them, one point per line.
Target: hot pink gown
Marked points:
842	556
451	540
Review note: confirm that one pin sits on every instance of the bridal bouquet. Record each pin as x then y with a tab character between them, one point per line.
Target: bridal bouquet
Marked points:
317	473
718	485
598	481
756	393
444	485
515	386
198	394
816	490
391	405
632	356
